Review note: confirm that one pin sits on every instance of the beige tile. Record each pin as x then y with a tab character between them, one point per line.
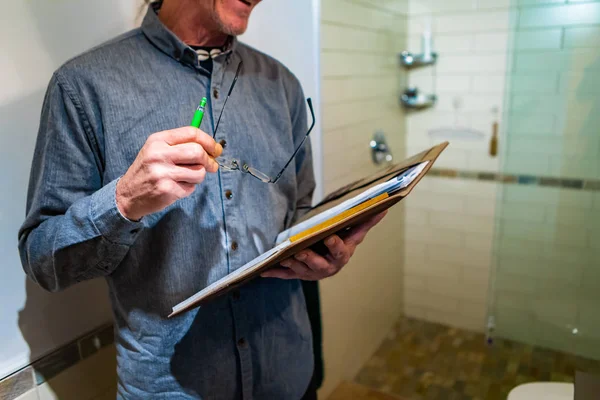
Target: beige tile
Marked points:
439	303
469	188
442	270
335	37
539	2
575	167
443	286
441	317
343	64
474	103
471	63
416	217
399	7
350	113
581	146
580	82
343	90
552	196
522	212
428	200
483	163
543	39
492	42
489	83
472	316
451	43
520	248
565	60
359	15
452	158
414	311
474	22
523	127
572	14
462	222
582	37
480	243
508	266
494	4
508	282
414	282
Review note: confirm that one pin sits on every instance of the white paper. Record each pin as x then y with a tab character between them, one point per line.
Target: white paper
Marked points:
396	183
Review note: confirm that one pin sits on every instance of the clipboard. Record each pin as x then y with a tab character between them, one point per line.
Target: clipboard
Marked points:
314	236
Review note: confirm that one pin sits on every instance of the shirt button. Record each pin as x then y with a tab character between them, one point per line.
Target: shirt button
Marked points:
223	143
234	246
236	295
228	194
215	93
242	342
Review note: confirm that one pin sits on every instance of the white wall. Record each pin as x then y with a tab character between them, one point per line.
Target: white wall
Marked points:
36	37
289	31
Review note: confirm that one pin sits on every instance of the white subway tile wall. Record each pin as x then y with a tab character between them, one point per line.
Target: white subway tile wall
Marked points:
361	80
537	62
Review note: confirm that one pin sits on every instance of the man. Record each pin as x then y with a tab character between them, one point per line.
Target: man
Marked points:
120	188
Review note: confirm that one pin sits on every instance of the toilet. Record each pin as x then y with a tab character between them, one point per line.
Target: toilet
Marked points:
543	390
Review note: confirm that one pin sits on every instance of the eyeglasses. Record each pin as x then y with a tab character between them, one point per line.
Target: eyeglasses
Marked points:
233	165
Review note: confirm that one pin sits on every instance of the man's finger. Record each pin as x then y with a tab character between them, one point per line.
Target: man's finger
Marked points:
281	273
358	232
314	261
189	134
188	174
336	246
191	154
298	267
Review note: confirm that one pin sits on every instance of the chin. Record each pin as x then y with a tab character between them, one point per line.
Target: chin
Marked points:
233	15
235	28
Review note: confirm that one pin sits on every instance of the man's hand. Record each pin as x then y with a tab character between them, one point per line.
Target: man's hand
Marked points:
167	168
309	266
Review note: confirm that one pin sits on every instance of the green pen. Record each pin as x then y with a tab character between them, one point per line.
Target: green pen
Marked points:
199	114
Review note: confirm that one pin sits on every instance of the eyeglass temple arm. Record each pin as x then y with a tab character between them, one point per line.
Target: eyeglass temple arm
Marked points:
237	73
312	125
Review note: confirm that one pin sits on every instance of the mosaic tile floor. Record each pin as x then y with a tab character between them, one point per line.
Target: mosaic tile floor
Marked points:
423	360
352	391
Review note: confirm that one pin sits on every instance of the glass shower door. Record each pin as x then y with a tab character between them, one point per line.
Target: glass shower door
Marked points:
545	288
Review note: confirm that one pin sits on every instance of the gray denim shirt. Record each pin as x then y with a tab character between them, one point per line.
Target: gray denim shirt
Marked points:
98	111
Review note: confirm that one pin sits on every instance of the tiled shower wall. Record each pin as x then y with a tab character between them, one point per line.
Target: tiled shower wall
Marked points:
538	63
360	40
450	222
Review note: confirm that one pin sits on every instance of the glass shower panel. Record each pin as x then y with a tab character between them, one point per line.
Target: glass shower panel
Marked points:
546	280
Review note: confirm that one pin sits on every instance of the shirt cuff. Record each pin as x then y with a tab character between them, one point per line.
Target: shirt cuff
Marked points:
109	221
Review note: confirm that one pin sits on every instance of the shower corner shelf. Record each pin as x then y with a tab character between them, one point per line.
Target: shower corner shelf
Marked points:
409	60
412	99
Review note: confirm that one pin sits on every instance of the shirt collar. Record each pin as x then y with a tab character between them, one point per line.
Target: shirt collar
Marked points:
167	42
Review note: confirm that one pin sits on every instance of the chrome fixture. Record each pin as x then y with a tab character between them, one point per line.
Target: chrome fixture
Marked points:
380	151
412	99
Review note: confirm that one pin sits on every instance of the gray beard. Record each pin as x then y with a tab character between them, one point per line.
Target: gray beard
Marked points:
228	30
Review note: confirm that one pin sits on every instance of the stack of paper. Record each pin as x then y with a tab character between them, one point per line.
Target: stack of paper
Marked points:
320	221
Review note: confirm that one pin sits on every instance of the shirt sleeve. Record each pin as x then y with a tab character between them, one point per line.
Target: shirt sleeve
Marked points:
73	230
